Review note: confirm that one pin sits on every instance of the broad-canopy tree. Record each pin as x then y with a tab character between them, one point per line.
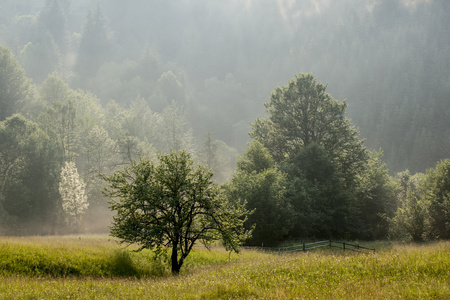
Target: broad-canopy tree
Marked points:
301	113
311	140
172	204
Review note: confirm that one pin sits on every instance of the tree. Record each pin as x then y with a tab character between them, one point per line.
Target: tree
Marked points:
375	199
73	195
28	177
438	193
262	186
54	90
95	46
411	220
172	204
60	122
99	157
174	134
217	156
172	88
302	113
40	58
208	151
15	87
256	159
99	149
52	20
309	137
317	194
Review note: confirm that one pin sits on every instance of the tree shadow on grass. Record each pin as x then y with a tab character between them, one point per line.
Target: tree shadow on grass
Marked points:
130	264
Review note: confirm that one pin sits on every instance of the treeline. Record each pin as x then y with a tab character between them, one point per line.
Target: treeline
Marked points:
219	59
307	174
115	81
43	127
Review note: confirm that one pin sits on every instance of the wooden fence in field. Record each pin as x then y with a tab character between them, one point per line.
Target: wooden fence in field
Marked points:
345	246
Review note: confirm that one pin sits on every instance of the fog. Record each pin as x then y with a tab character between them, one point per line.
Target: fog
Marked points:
210	65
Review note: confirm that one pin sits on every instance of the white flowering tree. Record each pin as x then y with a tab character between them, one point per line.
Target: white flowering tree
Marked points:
73	195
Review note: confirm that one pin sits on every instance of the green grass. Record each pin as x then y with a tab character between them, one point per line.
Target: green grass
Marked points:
93	256
95	268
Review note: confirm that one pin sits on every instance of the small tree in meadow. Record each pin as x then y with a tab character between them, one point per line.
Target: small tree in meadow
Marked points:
171	206
73	195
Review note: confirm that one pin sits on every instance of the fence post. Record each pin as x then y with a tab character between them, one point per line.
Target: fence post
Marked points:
343	244
304	247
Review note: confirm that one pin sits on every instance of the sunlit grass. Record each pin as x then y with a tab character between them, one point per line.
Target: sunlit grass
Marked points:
395	272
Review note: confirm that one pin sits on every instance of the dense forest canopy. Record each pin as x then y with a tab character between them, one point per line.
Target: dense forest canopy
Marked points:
101	83
220	59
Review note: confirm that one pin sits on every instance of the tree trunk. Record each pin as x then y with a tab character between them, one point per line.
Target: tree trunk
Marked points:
175	265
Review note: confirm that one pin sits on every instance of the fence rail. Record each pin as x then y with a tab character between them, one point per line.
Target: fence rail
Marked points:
345	246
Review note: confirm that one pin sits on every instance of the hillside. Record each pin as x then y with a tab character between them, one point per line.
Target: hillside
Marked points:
220	60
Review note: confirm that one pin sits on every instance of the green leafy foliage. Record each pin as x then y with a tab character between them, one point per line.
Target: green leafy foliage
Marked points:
318	195
375	198
214	71
438	195
15	88
172	205
262	188
302	113
28	176
309	137
411	221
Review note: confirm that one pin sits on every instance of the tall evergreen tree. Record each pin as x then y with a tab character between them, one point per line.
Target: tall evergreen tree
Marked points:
95	45
52	20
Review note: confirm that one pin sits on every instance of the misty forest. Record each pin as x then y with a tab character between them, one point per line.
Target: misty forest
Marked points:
324	118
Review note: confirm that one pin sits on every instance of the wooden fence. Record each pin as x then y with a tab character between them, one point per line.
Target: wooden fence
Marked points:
345	246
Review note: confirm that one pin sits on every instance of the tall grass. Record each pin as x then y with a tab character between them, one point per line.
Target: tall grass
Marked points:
94	256
398	272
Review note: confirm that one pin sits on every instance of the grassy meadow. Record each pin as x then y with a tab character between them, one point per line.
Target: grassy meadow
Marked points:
96	267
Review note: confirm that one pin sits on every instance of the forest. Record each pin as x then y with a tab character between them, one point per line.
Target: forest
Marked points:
88	87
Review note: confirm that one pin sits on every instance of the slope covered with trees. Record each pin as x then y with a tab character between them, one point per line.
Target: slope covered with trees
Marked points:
100	84
220	59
